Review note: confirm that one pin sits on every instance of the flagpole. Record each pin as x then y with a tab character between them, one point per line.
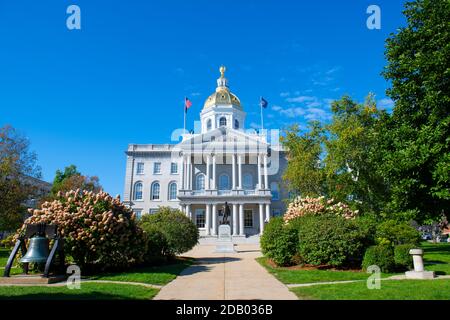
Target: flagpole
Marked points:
184	110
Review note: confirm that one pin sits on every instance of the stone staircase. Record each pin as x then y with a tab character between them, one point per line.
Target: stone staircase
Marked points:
211	240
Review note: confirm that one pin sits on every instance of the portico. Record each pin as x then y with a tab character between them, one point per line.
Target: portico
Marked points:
203	202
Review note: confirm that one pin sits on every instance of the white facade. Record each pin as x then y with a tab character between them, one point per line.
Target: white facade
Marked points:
222	163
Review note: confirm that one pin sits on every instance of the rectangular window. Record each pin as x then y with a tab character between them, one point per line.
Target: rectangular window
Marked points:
248	218
138	213
140	168
157	168
200	218
174	168
152	211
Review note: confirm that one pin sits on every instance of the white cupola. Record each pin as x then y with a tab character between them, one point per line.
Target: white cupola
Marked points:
222	108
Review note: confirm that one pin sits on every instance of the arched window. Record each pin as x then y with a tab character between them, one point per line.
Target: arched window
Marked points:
275	190
138	191
224	182
223	122
236	123
172	191
200	183
248	181
208	124
155	191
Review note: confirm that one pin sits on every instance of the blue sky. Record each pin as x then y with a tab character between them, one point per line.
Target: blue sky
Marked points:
82	96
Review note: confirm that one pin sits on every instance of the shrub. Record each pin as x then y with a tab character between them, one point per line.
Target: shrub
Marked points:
395	233
180	233
380	255
367	224
279	241
99	231
8	242
156	245
403	260
329	240
300	207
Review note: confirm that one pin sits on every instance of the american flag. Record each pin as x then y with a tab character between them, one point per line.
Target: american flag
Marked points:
187	104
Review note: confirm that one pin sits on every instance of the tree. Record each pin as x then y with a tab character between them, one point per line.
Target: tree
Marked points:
17	163
416	155
304	173
339	160
72	179
352	156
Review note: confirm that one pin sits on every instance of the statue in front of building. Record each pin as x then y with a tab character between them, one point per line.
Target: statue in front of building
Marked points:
226	213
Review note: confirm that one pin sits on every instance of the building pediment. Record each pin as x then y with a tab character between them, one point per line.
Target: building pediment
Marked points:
224	140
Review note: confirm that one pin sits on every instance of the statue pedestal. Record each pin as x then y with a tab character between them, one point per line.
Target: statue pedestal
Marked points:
224	243
419	271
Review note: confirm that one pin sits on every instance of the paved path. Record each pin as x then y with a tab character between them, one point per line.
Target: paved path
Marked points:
230	276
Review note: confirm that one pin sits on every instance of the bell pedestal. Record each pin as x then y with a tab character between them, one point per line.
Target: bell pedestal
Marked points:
31	279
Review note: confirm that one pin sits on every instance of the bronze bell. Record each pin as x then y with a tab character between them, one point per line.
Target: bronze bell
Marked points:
38	250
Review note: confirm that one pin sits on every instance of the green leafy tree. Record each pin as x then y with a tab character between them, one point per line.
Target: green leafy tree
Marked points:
304	173
72	179
17	164
351	153
416	153
339	160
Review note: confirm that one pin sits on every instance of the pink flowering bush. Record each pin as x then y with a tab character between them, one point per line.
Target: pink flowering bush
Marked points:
300	207
99	231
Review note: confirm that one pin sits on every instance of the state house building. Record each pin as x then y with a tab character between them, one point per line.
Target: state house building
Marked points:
223	162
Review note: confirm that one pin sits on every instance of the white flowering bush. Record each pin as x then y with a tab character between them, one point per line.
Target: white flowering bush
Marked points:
300	207
99	231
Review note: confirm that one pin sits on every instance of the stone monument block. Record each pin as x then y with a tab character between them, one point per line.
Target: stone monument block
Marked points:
224	243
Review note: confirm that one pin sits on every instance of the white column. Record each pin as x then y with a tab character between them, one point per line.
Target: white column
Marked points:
235	219
266	177
267	212
261	218
214	219
259	172
241	219
233	170
182	172
189	172
214	186
239	171
208	172
183	209
208	219
188	211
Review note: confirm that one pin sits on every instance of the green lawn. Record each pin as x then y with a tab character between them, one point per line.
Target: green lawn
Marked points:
159	275
88	291
4	255
390	290
437	258
290	276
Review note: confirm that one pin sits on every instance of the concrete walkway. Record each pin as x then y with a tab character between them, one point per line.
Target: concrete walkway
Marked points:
230	276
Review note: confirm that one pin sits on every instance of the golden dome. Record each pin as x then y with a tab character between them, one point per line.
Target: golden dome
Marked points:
222	96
